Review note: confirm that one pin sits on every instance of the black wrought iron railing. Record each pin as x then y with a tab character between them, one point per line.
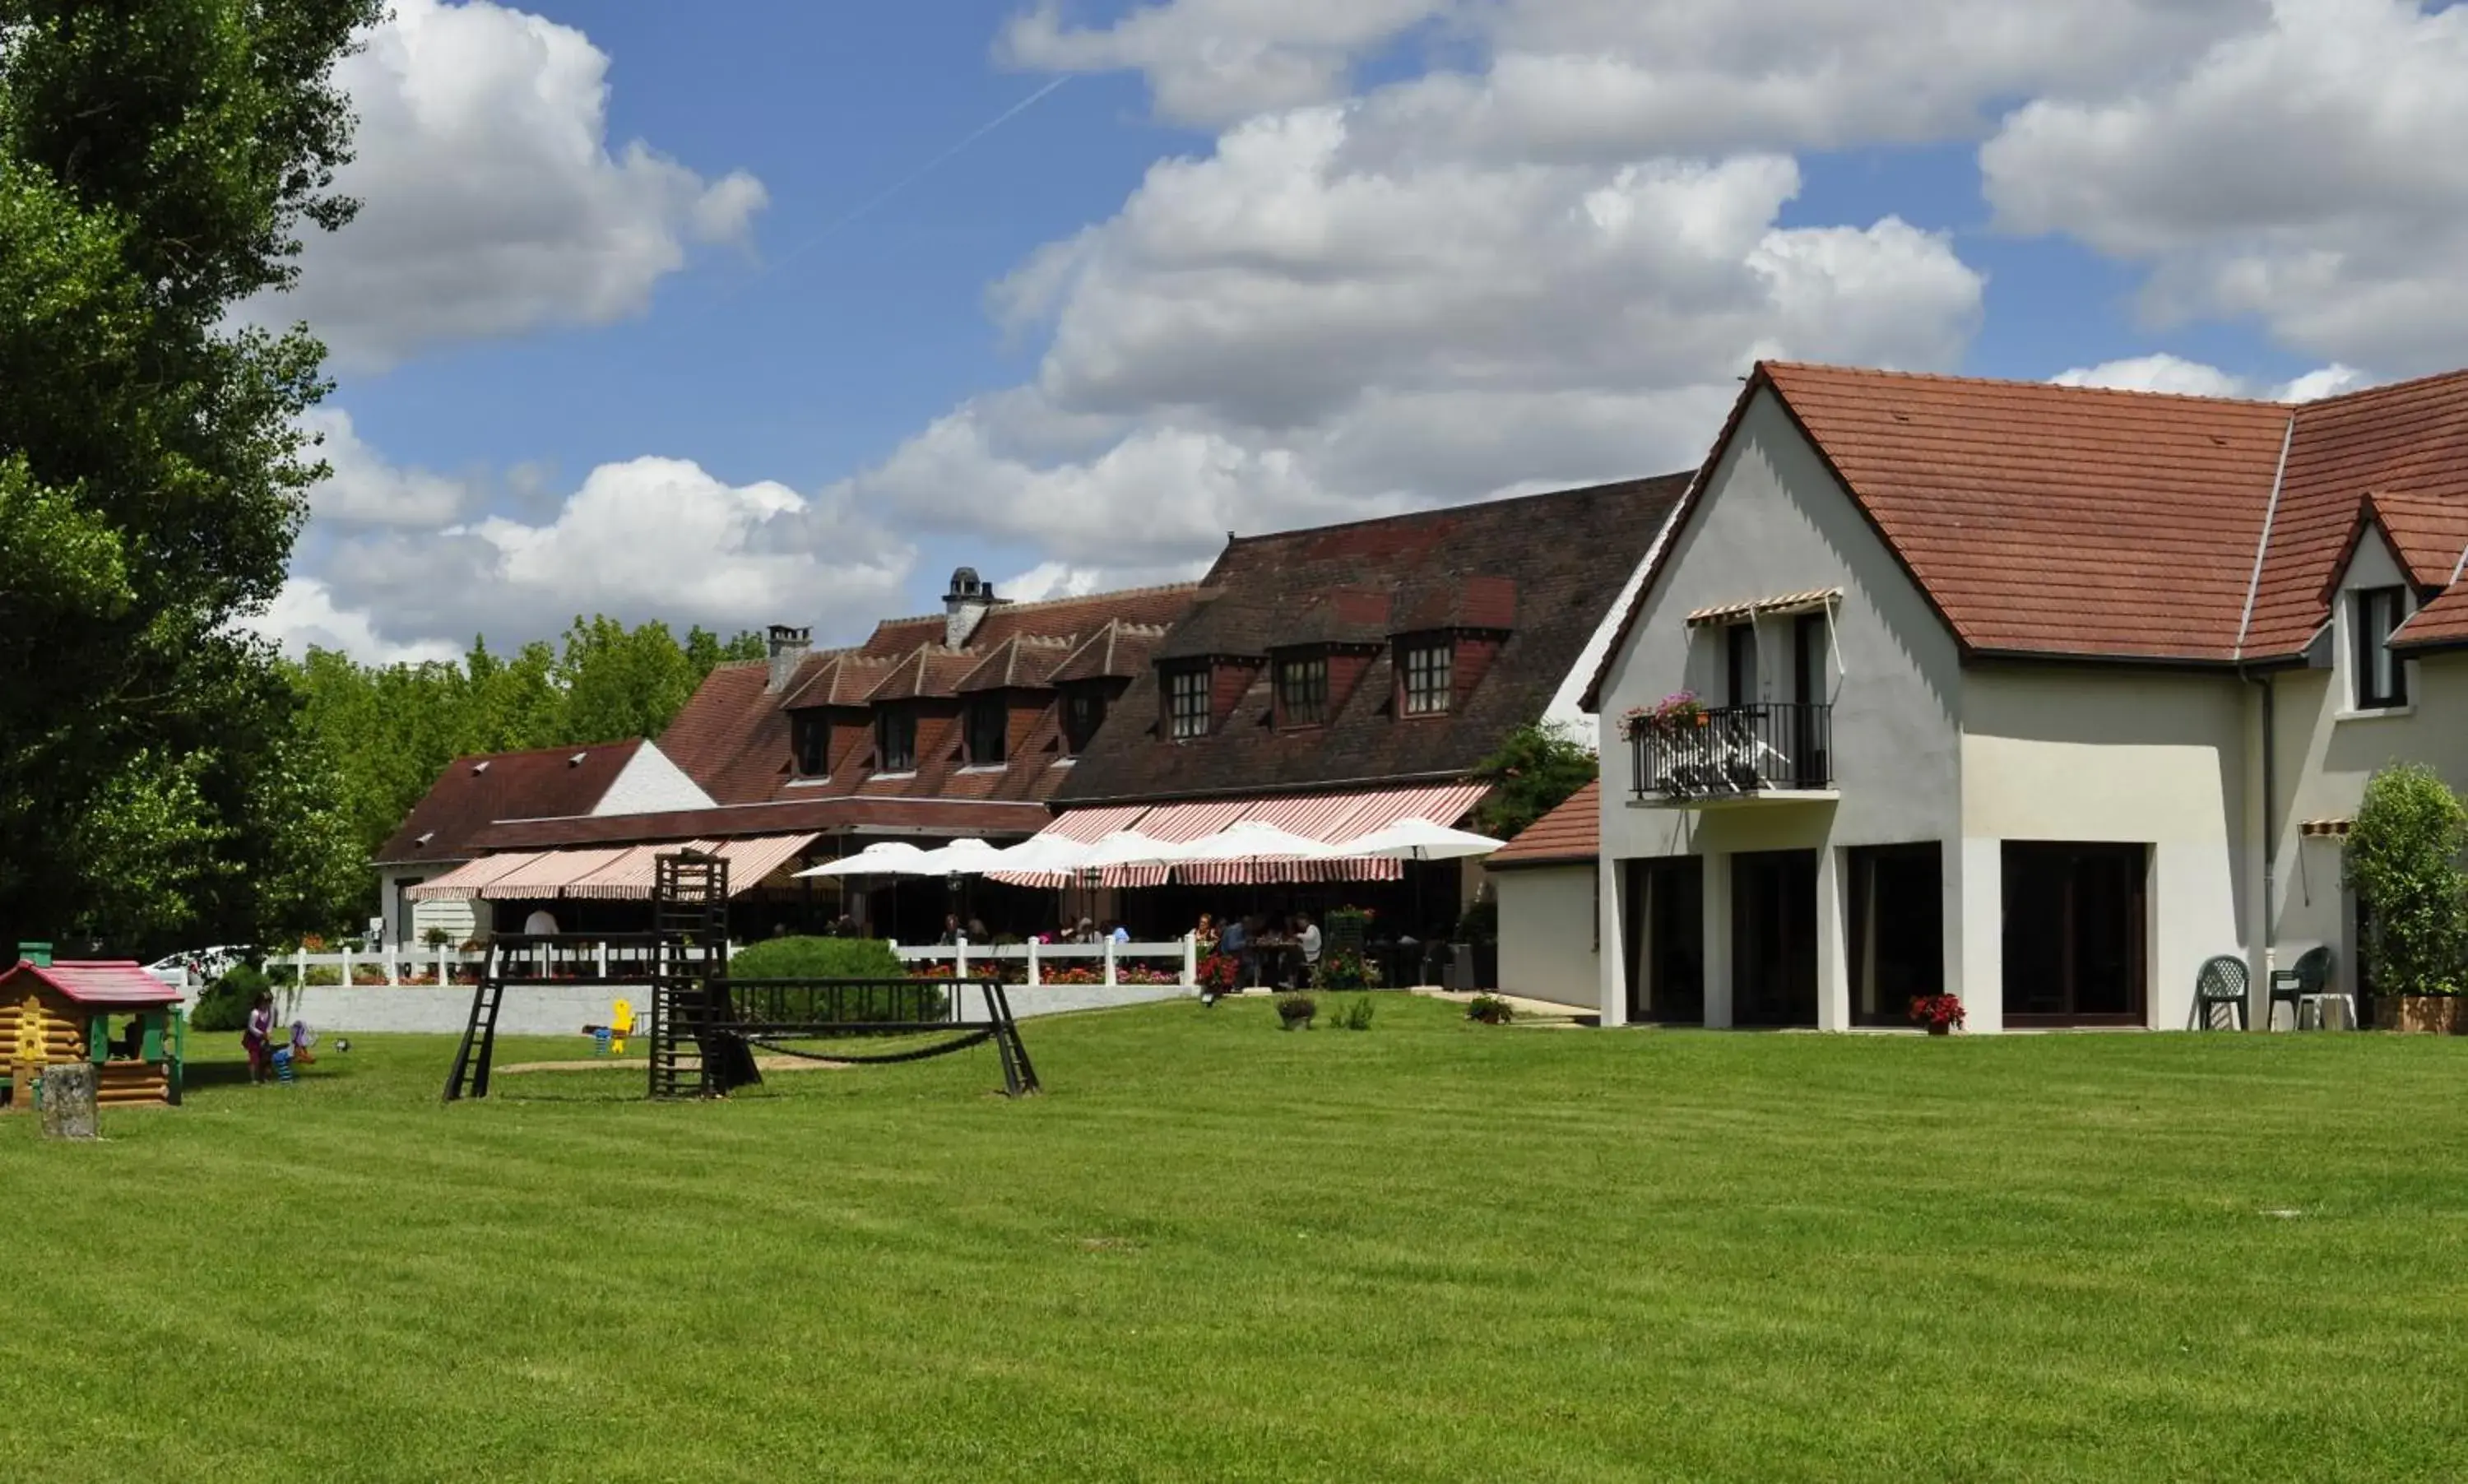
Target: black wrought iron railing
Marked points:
1735	751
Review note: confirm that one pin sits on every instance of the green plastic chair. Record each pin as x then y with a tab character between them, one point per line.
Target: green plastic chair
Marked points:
2222	981
2311	975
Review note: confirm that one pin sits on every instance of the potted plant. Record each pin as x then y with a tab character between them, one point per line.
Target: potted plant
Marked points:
1295	1011
1940	1014
2402	859
1220	974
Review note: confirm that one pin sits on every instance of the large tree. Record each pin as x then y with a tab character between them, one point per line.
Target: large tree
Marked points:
159	160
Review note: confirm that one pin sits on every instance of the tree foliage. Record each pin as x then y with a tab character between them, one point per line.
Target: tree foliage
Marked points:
2402	859
158	159
388	730
1535	771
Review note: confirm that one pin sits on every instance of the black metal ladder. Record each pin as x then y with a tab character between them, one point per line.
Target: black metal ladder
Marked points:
469	1075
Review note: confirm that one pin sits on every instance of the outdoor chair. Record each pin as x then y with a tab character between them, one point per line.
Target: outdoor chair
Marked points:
2222	981
2309	979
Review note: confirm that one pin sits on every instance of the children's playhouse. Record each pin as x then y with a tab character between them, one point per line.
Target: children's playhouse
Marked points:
115	1015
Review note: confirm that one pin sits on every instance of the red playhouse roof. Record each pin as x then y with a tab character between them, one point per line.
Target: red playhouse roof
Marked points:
116	983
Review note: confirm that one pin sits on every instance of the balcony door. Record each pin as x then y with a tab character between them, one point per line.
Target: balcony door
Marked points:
1667	914
2075	933
1774	938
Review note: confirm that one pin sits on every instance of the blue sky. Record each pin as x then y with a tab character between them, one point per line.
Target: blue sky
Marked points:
1413	250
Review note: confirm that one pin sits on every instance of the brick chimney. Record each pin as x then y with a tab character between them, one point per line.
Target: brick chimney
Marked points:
965	605
788	647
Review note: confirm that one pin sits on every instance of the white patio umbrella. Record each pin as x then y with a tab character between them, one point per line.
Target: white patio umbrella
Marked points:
1251	839
969	856
1417	839
1041	855
887	857
1127	848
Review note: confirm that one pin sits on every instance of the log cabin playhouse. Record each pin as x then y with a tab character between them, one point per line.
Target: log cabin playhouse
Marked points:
61	1013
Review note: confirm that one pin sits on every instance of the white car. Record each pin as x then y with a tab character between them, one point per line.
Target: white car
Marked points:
199	967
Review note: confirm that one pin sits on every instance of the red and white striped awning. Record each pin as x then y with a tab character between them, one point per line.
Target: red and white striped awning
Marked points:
622	873
1328	817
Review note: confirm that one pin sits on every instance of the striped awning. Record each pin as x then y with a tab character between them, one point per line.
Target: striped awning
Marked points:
622	873
1778	606
1328	817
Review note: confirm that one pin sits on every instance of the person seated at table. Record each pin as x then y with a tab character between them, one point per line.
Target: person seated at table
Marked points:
977	931
1119	933
950	929
1236	942
1306	934
1085	932
1205	934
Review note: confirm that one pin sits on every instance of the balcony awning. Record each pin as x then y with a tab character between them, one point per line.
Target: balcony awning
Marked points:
622	873
1781	604
1328	817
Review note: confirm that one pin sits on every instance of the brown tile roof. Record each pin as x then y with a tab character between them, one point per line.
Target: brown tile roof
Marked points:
2075	521
1118	651
2405	444
841	677
828	815
1053	618
2440	625
1569	556
931	670
1020	662
1570	834
474	790
2051	519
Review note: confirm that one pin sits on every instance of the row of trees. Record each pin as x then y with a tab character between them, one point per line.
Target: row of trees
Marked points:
386	731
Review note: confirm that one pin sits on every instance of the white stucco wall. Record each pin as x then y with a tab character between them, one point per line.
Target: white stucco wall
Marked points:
1771	519
2115	755
650	783
564	1009
1547	934
455	917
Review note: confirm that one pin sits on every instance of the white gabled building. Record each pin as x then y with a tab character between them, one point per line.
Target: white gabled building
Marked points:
2035	695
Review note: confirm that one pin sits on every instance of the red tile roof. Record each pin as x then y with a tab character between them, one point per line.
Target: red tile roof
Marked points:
115	982
474	790
1022	662
2074	522
1572	834
1117	651
2050	519
2440	625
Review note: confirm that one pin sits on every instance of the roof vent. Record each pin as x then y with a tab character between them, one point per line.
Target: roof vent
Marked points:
425	835
479	767
576	761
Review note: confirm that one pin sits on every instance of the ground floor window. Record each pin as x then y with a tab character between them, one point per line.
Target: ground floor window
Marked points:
1774	938
1897	933
2075	933
1667	917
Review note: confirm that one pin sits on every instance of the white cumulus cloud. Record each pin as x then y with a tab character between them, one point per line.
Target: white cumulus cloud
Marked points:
2166	373
494	202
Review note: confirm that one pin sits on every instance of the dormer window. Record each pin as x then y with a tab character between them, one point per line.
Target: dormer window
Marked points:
811	737
1084	711
988	729
2382	676
1186	704
895	742
1429	665
1302	691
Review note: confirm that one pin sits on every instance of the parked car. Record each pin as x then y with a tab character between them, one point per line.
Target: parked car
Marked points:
199	966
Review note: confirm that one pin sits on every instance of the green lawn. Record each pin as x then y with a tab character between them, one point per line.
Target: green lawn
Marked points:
1213	1251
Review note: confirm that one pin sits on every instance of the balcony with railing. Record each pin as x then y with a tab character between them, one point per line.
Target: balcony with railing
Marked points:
1690	755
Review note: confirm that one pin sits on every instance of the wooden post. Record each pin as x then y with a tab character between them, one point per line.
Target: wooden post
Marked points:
346	947
960	962
1036	971
1191	960
603	960
1109	961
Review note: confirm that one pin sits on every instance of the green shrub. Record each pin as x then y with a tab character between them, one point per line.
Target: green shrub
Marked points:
225	1003
900	997
1356	1016
1479	924
2402	859
1490	1010
816	958
1344	970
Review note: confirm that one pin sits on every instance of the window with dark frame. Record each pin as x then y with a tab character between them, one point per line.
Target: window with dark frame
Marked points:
1084	711
2382	675
894	735
813	747
988	729
1302	691
1186	699
1740	662
1428	673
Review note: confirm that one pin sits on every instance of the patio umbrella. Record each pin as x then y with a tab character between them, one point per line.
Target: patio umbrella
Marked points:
969	856
1417	839
1127	848
889	857
1251	839
1041	855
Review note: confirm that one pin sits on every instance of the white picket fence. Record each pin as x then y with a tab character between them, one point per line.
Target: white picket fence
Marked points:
405	962
1184	952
